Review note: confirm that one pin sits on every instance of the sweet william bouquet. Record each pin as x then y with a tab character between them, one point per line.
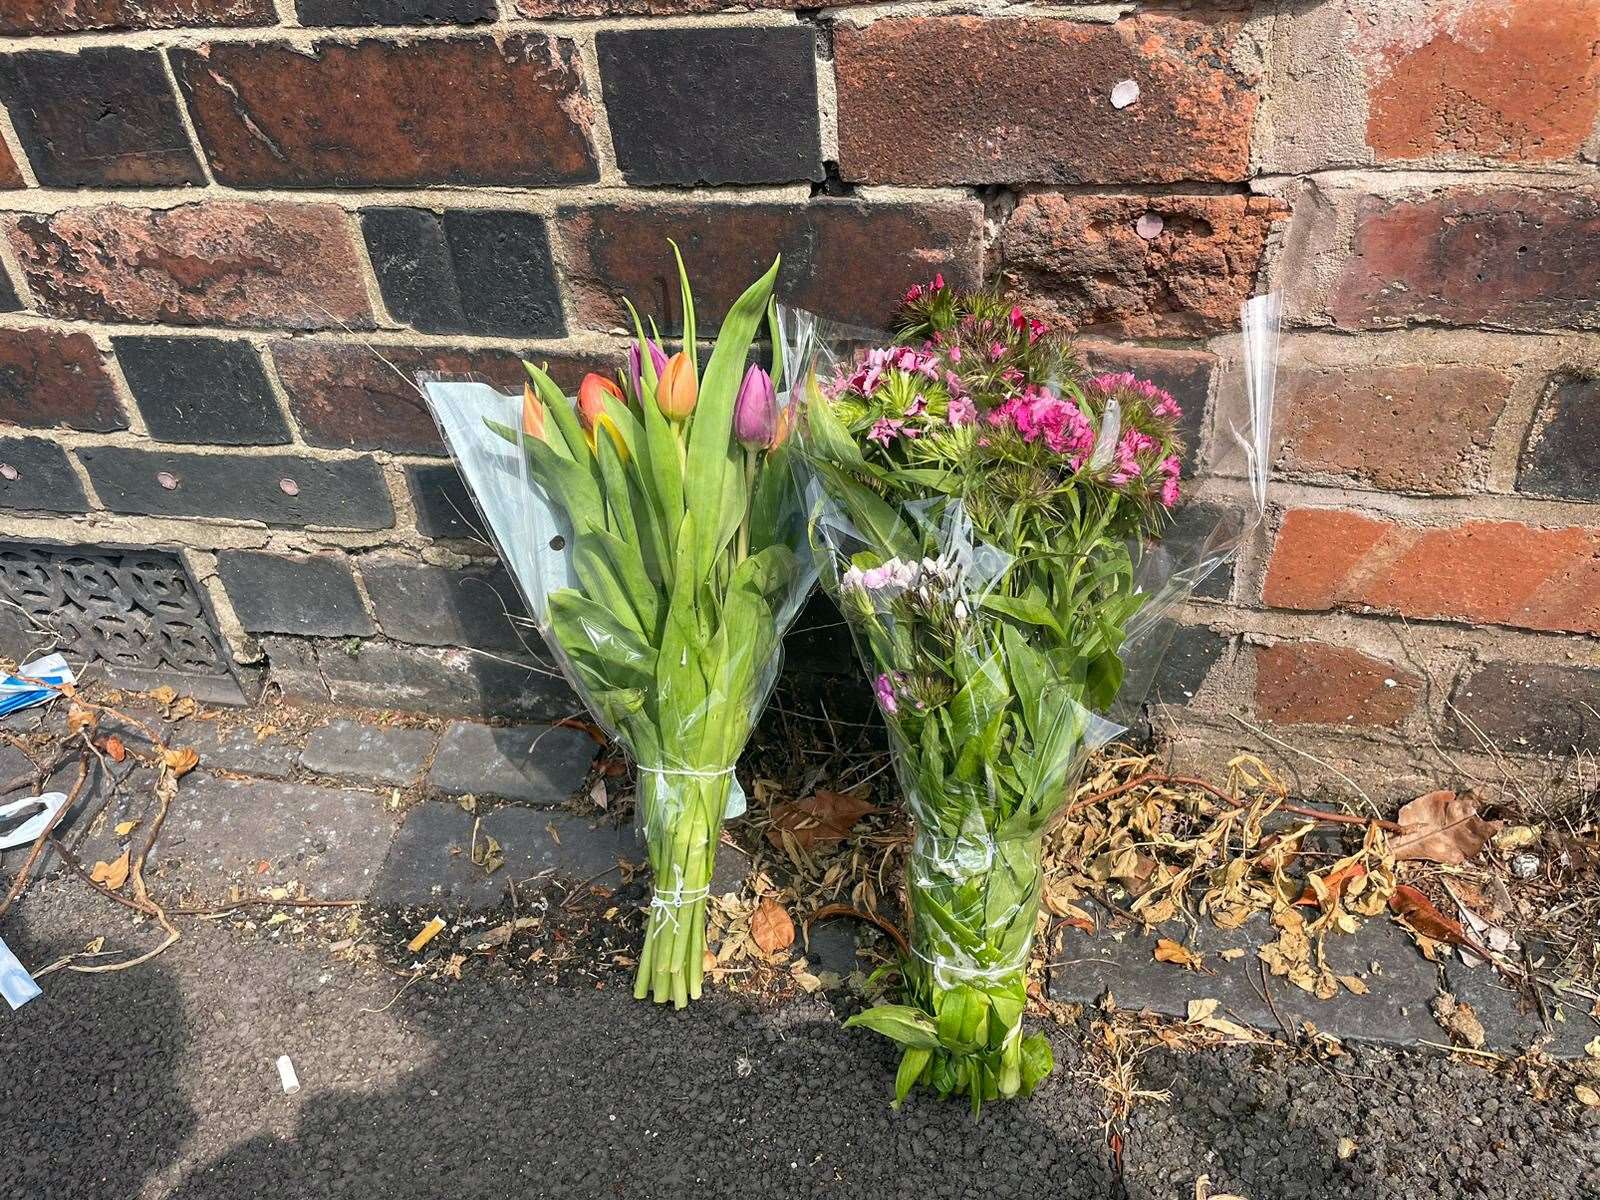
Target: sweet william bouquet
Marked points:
981	507
654	530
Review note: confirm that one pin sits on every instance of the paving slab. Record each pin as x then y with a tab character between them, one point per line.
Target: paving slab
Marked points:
537	764
430	861
1511	1022
220	830
1400	981
239	749
368	753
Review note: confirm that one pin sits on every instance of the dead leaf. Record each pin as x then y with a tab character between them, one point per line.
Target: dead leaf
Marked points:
770	926
1346	1147
1592	1049
819	821
95	946
115	750
1203	1013
1442	827
1586	1095
183	707
263	867
808	982
1418	912
1458	1019
425	935
181	761
1324	891
111	875
163	695
468	803
80	720
1169	951
453	967
597	793
1230	954
1353	983
124	828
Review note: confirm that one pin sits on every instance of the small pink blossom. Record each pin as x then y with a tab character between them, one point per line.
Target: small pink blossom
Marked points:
997	351
885	430
883	689
955	354
918	406
962	410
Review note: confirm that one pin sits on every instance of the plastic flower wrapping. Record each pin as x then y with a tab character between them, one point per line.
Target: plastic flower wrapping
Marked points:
655	534
1008	536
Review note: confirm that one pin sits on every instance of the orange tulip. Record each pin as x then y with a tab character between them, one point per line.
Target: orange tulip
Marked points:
678	389
532	413
592	393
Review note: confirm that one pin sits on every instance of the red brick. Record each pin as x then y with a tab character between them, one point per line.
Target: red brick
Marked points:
573	9
49	378
1494	572
1519	82
74	16
510	110
847	259
10	176
1080	259
1517	258
1309	683
1412	428
349	397
274	265
991	100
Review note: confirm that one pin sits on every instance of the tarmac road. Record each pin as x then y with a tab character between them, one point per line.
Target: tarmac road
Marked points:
159	1082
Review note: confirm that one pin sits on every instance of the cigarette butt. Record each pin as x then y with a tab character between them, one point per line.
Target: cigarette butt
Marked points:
291	1081
427	934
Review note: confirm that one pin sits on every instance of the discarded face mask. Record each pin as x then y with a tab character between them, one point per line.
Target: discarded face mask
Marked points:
16	985
16	691
48	805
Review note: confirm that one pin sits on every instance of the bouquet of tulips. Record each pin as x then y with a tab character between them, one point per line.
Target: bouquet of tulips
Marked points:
655	532
981	507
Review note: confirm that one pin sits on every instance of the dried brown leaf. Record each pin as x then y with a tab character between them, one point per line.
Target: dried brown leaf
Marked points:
181	761
1458	1019
1169	951
771	927
1442	827
819	821
111	875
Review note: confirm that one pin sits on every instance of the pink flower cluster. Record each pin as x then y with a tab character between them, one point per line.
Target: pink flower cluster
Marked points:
917	290
869	373
1039	416
1161	402
1127	467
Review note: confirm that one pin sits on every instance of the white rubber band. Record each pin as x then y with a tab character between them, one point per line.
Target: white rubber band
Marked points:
687	774
994	972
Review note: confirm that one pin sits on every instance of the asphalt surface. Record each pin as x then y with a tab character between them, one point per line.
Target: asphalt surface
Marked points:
160	1082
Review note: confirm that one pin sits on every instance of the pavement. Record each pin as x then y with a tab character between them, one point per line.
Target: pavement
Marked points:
159	1081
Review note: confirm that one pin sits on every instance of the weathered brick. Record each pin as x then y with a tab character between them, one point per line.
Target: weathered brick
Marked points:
846	258
368	753
348	397
445	508
465	271
1539	707
982	99
1409	428
1191	654
10	175
432	606
224	263
194	389
1496	572
574	9
76	16
1185	373
105	116
49	378
310	594
755	86
35	476
1080	259
1519	82
508	110
394	12
1515	258
439	680
1198	532
1561	456
278	489
1311	683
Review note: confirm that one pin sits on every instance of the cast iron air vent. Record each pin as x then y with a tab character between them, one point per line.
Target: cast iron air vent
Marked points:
134	617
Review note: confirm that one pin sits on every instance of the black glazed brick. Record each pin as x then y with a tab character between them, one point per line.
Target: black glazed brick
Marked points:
310	594
1562	454
278	489
1191	654
1545	708
201	390
443	503
394	12
466	271
105	116
435	606
35	476
709	106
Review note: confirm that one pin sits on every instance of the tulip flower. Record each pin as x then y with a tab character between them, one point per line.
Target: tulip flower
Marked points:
755	411
532	413
592	393
658	360
678	389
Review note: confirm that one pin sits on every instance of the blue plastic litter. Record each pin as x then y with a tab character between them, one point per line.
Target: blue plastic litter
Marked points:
16	692
16	985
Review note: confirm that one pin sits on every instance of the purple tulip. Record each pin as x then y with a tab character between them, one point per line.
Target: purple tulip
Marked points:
755	412
658	359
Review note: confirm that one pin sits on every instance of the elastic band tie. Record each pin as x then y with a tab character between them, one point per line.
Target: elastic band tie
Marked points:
671	901
995	972
687	774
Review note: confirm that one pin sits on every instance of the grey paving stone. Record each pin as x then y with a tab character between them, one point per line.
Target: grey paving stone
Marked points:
430	861
1510	1022
239	749
1400	980
368	753
538	764
219	830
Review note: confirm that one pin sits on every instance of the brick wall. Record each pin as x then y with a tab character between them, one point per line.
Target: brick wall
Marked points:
232	229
